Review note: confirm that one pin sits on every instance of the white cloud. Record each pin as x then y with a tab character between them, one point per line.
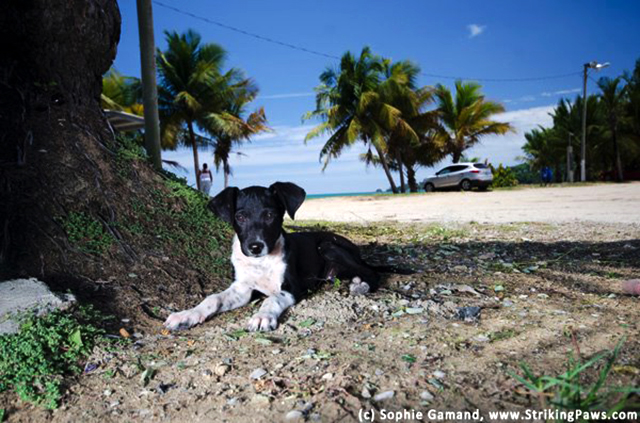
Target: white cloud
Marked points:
527	98
283	156
475	30
289	95
561	92
505	148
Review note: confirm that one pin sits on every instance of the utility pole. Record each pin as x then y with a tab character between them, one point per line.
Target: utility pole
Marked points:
569	160
583	145
583	153
149	88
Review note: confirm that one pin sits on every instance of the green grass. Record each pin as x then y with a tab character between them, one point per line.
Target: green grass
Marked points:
34	361
581	387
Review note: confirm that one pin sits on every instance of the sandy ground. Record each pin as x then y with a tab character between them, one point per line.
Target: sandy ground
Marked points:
610	203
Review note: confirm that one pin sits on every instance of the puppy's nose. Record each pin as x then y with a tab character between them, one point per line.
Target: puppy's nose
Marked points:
256	247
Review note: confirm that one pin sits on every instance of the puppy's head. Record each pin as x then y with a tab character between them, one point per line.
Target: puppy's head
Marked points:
257	213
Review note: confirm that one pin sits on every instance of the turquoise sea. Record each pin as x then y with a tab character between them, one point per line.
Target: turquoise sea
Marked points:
344	194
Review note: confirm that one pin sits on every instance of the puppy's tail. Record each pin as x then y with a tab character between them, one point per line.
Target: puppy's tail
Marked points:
393	269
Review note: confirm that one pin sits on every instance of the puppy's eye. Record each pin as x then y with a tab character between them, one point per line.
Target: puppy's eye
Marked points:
241	218
269	215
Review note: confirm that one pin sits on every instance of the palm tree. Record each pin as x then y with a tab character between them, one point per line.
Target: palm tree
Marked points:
613	99
192	90
236	128
351	108
466	119
123	93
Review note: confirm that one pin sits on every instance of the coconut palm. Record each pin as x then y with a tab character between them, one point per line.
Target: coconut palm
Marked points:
123	93
351	108
467	117
192	90
613	100
238	127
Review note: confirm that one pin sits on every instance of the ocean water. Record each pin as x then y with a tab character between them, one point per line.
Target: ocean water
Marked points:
344	194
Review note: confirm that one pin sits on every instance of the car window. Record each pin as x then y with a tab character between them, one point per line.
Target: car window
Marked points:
458	168
480	165
444	171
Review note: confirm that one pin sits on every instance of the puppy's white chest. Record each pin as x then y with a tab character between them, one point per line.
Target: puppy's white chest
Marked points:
264	274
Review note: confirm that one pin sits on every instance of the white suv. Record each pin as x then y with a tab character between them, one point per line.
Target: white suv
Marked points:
460	175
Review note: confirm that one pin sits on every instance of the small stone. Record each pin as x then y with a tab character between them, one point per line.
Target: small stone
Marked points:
232	401
294	415
384	396
207	373
426	396
379	372
221	369
543	296
107	392
481	338
439	374
276	351
114	404
498	288
414	310
327	376
507	303
258	373
260	400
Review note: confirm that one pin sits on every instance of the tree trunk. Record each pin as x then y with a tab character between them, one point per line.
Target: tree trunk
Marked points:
456	153
403	188
61	173
385	166
226	170
616	152
411	178
194	147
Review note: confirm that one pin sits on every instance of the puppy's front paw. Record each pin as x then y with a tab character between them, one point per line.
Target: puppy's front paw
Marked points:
184	319
262	322
359	287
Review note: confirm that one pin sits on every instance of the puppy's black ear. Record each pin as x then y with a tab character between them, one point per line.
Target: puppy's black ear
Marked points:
291	196
223	205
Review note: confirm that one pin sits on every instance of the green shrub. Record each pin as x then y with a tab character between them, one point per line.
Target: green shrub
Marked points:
34	361
86	233
503	177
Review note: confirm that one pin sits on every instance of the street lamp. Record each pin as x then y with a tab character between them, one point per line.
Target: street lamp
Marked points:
583	162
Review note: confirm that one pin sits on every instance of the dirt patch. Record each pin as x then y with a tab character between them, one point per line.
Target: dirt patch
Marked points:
403	347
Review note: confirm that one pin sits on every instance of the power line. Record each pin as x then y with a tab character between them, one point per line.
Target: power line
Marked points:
247	33
330	56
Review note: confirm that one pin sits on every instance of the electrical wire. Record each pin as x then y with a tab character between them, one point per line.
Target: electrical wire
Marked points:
330	56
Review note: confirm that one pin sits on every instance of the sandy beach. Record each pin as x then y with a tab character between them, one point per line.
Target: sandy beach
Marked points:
608	203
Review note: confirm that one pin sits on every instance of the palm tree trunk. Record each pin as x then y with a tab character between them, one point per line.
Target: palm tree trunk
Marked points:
411	179
616	152
226	171
457	152
385	166
403	188
194	146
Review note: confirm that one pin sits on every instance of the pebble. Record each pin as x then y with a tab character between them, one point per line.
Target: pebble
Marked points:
260	399
365	393
414	310
258	373
426	396
232	401
384	396
293	415
439	374
222	369
114	404
379	372
327	376
507	303
543	296
481	338
276	351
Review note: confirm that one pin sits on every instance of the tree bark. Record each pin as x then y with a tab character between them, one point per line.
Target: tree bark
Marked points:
385	166
194	147
226	170
403	188
411	179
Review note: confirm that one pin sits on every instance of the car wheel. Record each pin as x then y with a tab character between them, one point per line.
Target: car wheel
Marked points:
465	185
429	187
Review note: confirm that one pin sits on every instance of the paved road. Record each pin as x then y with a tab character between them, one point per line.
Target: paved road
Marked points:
612	203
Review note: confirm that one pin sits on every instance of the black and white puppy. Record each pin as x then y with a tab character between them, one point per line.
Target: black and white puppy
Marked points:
282	266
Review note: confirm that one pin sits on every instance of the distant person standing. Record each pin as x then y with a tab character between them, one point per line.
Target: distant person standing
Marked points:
206	179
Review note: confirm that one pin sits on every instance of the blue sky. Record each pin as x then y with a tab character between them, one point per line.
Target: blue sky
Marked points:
491	40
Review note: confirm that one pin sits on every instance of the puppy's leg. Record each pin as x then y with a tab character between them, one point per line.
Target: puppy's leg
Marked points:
267	317
364	279
235	296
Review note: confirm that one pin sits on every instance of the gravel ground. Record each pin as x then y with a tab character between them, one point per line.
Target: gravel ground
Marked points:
609	203
541	288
